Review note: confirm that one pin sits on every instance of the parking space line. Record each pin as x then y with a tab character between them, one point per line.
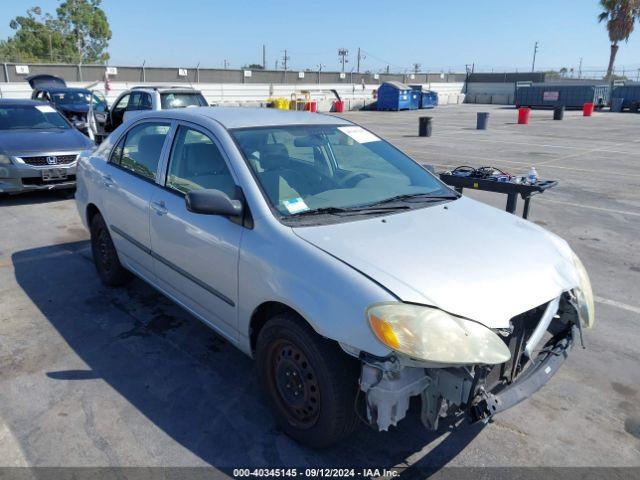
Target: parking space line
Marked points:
615	303
591	207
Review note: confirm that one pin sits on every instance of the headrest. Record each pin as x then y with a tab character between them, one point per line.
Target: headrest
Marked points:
151	145
274	156
203	158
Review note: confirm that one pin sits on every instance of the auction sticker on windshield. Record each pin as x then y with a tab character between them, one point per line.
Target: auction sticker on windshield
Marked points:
359	134
295	205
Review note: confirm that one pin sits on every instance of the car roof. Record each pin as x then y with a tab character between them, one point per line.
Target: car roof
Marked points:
243	117
20	102
64	89
167	88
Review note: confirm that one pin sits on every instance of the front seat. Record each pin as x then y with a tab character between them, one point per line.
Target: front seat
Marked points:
203	165
274	160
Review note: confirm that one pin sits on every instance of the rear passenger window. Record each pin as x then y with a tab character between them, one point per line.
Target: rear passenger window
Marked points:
196	163
142	147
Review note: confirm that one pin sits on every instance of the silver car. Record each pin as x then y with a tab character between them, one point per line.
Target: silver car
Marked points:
353	276
38	147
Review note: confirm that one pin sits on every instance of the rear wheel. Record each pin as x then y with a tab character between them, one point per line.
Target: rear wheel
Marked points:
105	257
310	383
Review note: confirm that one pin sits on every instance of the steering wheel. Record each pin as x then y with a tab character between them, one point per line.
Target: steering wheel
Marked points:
345	181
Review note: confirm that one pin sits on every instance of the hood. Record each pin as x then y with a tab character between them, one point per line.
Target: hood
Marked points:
464	257
18	142
45	81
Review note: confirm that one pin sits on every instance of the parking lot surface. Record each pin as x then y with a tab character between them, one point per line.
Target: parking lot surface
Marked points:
91	376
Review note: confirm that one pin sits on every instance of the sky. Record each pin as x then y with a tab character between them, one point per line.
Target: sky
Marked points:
440	36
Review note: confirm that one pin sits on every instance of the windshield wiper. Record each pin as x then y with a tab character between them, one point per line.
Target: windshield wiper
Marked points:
423	197
347	211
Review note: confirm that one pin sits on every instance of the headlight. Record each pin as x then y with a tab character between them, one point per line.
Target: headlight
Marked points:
4	160
584	295
429	334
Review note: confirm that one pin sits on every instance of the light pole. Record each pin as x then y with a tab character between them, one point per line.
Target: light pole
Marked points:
342	53
535	50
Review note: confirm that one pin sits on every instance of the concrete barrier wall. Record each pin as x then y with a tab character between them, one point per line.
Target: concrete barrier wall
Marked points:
486	92
254	94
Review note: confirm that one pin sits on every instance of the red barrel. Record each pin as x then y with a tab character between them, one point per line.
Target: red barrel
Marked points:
338	106
523	115
587	109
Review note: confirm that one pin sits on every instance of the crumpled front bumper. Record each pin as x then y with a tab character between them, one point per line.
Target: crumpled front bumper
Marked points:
388	385
529	382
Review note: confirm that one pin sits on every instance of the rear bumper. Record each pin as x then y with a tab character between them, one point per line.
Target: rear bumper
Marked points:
526	384
24	178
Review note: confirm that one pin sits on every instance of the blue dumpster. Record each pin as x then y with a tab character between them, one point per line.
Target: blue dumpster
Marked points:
429	99
396	96
628	95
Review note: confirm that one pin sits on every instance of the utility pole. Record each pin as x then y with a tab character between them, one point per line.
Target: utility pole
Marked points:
535	50
285	60
342	53
264	56
361	57
580	68
226	63
416	68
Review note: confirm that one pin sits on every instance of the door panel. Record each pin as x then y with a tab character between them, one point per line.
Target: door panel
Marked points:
196	256
128	183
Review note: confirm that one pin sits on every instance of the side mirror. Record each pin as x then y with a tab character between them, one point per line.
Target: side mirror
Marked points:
213	202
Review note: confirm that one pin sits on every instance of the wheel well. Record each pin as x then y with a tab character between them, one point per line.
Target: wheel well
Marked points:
92	210
263	313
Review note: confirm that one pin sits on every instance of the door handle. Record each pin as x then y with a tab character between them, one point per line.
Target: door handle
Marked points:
107	181
159	207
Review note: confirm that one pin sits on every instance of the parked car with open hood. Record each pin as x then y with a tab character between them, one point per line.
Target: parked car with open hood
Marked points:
38	147
342	266
74	103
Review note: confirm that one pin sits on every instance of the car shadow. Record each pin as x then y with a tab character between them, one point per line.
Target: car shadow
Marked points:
35	197
191	383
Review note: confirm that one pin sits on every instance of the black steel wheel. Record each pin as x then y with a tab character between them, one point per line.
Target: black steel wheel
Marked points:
309	382
105	256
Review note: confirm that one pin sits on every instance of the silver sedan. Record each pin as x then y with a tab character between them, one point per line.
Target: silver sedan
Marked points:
353	276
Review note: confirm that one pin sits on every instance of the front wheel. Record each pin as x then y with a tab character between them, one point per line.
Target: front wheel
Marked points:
310	383
105	257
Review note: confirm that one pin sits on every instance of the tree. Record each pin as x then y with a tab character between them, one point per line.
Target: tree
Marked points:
85	25
620	16
253	66
79	33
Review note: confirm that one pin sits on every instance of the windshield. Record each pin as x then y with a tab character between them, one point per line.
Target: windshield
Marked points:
326	168
70	98
181	100
35	117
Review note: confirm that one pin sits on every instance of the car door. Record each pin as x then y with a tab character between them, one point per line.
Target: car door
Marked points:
139	102
129	181
117	113
196	256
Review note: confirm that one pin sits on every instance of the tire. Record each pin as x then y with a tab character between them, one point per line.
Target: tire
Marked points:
635	107
309	382
105	256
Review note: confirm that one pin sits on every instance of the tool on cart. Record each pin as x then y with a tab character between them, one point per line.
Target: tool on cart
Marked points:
492	179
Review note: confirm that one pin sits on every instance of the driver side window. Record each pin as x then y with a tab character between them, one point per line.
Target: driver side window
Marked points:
122	104
196	163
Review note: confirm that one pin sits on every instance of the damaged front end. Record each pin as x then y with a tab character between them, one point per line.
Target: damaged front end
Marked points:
538	342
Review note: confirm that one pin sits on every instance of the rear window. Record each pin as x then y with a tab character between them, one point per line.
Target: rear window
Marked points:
33	117
181	100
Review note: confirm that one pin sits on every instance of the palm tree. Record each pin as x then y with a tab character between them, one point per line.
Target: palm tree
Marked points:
620	16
